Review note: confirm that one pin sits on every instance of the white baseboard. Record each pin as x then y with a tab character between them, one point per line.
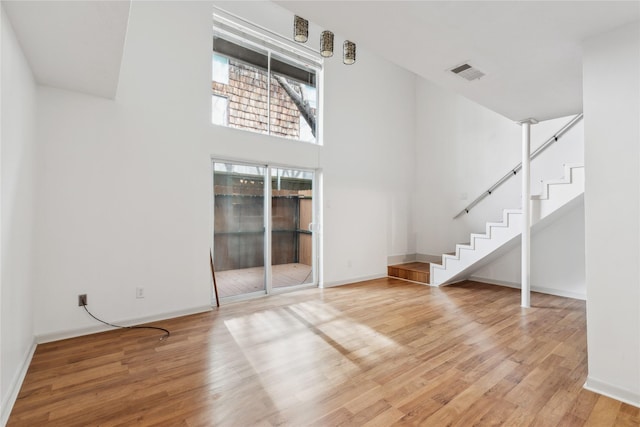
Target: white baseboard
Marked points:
617	393
540	289
56	336
14	388
351	281
401	259
428	258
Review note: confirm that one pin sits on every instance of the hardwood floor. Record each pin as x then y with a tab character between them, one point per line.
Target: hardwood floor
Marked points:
382	352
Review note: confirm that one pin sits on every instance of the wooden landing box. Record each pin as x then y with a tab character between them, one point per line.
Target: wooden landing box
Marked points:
414	271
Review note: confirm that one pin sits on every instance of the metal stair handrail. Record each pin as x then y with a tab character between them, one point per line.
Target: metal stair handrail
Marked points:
517	168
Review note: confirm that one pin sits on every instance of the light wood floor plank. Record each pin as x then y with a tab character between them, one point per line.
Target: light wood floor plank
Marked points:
604	412
376	353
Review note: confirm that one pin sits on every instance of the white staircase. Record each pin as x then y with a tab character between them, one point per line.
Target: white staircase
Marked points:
555	195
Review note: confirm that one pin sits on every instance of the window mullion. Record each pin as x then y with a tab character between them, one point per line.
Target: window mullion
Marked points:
268	92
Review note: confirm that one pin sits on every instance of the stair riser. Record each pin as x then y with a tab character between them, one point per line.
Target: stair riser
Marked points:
414	276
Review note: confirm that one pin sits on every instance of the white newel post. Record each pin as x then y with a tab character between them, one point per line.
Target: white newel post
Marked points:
526	212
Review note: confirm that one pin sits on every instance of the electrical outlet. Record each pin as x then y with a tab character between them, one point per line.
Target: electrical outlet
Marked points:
139	292
82	300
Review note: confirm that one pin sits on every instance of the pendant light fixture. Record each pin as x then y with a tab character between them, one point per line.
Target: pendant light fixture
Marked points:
326	44
300	29
349	54
301	35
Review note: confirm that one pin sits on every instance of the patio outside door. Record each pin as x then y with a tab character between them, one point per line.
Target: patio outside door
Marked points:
260	246
291	227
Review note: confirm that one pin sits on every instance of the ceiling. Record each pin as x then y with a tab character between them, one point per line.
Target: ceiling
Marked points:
75	45
530	51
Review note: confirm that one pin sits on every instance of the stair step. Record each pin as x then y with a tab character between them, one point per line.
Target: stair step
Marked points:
414	271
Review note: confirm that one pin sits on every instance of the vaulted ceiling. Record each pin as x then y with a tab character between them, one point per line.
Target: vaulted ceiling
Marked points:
530	51
75	45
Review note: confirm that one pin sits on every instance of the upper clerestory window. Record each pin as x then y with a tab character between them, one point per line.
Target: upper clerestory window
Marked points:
270	86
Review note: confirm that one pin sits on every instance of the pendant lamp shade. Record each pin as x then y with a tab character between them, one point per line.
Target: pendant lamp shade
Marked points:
349	55
326	44
300	29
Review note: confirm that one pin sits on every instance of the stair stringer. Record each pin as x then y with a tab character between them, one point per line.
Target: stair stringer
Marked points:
555	195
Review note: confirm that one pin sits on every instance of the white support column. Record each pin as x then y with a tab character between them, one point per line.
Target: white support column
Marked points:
526	213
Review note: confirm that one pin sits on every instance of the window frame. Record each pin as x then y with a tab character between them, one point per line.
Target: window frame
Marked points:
227	65
226	115
245	34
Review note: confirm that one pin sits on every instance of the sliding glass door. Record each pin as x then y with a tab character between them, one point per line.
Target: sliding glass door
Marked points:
238	238
263	228
291	227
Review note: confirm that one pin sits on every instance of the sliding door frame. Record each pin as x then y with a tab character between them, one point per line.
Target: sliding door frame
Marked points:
314	230
316	241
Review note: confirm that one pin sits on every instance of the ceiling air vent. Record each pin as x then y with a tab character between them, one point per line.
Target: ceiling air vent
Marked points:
467	72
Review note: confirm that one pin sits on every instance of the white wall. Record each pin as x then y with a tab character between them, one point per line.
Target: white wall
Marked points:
126	184
18	205
611	88
368	167
462	150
